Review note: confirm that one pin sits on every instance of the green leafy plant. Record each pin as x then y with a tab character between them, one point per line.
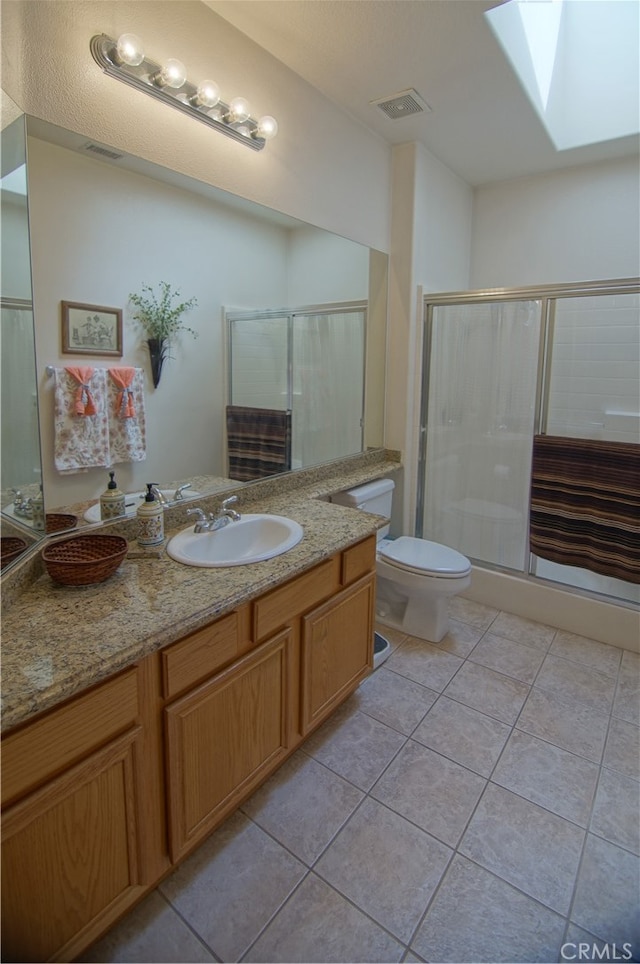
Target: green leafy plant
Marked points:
158	316
161	321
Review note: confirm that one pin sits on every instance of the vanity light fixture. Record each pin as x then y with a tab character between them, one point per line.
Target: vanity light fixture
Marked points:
126	60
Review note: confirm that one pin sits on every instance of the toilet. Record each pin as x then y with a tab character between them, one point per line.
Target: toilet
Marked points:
415	577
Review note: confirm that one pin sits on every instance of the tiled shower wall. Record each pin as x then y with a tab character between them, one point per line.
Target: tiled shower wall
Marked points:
595	386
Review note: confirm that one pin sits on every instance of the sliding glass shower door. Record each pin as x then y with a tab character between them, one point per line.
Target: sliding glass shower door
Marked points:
479	390
310	362
504	374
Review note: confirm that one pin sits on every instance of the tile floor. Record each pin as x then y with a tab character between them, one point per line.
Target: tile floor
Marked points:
476	800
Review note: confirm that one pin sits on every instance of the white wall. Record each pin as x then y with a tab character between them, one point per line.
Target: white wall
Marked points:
47	68
124	230
580	224
121	230
430	243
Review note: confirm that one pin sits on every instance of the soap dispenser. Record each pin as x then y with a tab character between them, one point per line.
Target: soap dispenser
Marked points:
150	519
112	500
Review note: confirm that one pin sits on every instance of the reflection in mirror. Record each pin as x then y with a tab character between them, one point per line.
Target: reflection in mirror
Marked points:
133	223
22	507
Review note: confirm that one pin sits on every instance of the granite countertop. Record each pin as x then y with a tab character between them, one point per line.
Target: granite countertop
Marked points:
58	640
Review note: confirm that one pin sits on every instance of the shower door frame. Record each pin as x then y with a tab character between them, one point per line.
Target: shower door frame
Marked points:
547	295
269	314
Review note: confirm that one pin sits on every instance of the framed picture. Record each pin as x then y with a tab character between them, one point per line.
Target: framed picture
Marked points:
91	330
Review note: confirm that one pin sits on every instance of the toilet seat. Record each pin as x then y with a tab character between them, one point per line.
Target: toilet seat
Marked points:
423	557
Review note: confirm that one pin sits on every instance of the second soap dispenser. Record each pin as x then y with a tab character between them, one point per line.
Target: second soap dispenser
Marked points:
150	520
112	500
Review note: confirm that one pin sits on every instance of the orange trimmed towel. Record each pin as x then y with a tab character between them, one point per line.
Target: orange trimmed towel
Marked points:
83	403
126	415
81	432
123	377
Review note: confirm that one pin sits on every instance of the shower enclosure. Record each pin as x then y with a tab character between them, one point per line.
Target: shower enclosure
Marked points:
310	362
500	367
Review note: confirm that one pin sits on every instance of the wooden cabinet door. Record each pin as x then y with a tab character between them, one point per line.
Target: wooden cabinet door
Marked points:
337	650
223	738
70	862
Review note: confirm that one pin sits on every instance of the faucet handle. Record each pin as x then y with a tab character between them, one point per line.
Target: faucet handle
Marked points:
197	512
231	513
177	495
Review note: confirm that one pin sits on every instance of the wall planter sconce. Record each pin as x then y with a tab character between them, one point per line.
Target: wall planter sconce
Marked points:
125	59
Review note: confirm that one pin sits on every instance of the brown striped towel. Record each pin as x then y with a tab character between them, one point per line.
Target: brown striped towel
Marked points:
258	442
585	504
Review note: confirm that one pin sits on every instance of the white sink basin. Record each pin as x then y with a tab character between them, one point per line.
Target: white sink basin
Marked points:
252	539
133	500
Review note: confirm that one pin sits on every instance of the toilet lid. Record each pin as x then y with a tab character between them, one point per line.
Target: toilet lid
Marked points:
420	555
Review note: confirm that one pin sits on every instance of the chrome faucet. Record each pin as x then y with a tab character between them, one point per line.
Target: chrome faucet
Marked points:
177	495
211	522
159	496
21	506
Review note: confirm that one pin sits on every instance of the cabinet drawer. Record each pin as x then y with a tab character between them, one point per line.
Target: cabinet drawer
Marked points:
67	734
196	657
358	560
279	607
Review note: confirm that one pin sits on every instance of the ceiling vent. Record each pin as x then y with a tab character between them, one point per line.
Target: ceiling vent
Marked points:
404	104
92	148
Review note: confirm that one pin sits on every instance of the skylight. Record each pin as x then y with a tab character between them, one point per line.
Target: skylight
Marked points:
579	63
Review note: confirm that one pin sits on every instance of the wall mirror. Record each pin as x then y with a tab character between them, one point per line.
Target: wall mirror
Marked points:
132	223
21	462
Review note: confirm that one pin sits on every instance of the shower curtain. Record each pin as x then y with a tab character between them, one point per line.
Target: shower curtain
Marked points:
19	401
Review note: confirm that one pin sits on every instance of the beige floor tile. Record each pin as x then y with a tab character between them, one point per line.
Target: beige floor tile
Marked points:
460	638
533	849
356	747
506	656
478	917
387	866
151	932
626	705
587	652
424	663
232	885
616	812
606	901
318	925
523	630
303	806
564	678
489	692
435	793
622	749
474	613
567	723
556	779
394	700
461	733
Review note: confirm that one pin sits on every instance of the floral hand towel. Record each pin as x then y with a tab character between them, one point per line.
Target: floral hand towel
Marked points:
81	431
127	426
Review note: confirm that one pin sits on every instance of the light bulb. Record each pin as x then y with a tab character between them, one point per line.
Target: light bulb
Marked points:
207	94
239	110
129	50
173	74
267	127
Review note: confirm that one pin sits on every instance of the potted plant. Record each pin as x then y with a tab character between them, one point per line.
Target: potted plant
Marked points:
161	321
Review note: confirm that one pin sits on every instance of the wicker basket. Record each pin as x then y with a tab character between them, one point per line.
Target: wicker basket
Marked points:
84	560
59	521
10	548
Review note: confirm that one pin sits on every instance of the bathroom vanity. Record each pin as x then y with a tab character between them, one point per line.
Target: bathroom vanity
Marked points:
117	766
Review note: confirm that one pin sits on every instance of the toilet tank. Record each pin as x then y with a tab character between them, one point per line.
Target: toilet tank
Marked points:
374	497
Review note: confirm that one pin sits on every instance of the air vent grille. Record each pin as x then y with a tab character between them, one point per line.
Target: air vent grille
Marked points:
404	104
102	151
